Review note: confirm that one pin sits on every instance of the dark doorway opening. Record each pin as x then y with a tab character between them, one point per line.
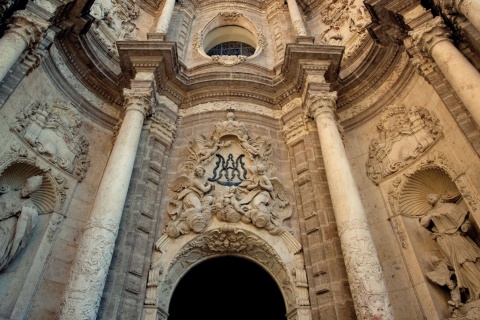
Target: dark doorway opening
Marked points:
227	288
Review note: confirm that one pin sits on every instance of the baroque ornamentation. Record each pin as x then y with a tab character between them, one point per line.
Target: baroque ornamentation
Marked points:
367	286
432	32
295	129
460	268
230	16
324	101
220	241
139	100
229	60
238	167
28	26
52	130
82	298
114	21
163	127
18	218
404	134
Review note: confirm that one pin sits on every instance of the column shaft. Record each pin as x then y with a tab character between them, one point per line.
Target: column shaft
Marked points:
470	9
164	20
296	17
364	271
24	30
89	271
461	75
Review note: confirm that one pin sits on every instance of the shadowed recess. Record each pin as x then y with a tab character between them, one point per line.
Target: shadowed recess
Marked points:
227	288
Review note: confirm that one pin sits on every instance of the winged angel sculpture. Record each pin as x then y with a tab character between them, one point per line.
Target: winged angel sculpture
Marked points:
252	197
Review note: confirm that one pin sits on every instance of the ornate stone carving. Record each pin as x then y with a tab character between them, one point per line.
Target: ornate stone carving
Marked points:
229	60
222	241
96	251
138	100
427	35
245	192
294	129
18	218
52	130
398	229
404	134
230	16
301	283
114	21
324	101
28	26
163	127
367	286
449	224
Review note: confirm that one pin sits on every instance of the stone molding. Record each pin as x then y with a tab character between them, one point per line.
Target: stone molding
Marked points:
403	135
163	128
295	129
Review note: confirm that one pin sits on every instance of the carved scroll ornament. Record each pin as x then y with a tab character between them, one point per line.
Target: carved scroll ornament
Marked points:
52	130
403	135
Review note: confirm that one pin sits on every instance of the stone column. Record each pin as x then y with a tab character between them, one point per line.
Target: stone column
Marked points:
164	20
364	271
89	271
25	30
467	8
432	39
297	20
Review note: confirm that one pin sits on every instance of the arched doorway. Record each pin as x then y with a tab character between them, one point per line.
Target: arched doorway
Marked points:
227	288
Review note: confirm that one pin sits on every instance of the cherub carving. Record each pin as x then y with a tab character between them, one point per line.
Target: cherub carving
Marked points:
264	203
442	275
191	208
204	150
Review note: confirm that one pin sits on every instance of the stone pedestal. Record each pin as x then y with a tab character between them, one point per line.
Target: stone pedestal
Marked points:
364	271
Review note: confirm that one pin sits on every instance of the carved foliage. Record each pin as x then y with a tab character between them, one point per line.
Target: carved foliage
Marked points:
403	135
52	130
229	60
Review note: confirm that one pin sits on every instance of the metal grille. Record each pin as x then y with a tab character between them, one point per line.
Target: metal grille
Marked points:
232	48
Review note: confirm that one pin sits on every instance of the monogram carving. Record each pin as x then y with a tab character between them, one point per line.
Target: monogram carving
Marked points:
403	135
227	179
53	131
229	60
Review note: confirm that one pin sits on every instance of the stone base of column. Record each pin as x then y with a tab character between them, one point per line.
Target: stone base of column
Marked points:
156	36
305	40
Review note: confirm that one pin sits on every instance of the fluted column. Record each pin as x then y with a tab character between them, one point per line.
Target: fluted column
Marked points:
89	271
297	20
164	20
25	30
468	8
364	271
432	39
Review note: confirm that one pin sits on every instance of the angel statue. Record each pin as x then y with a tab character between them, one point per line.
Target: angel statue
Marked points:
204	150
264	203
449	225
191	205
18	217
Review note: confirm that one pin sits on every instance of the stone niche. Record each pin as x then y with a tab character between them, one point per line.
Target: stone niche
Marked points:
434	218
226	203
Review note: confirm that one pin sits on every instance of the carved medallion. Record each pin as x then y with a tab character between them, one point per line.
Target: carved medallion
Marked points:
52	130
403	135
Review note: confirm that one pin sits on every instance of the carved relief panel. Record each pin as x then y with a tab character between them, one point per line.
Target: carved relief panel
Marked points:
227	179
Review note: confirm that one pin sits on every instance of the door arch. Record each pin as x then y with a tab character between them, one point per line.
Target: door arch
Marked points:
227	287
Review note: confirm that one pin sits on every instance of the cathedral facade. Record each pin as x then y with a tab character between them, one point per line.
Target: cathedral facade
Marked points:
333	144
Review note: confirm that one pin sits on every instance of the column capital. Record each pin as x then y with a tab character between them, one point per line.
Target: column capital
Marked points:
138	100
429	34
28	26
323	102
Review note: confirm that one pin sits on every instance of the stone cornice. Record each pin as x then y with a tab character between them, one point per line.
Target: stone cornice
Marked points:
265	89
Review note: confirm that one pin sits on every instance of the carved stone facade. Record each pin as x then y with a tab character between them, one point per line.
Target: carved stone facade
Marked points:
341	155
